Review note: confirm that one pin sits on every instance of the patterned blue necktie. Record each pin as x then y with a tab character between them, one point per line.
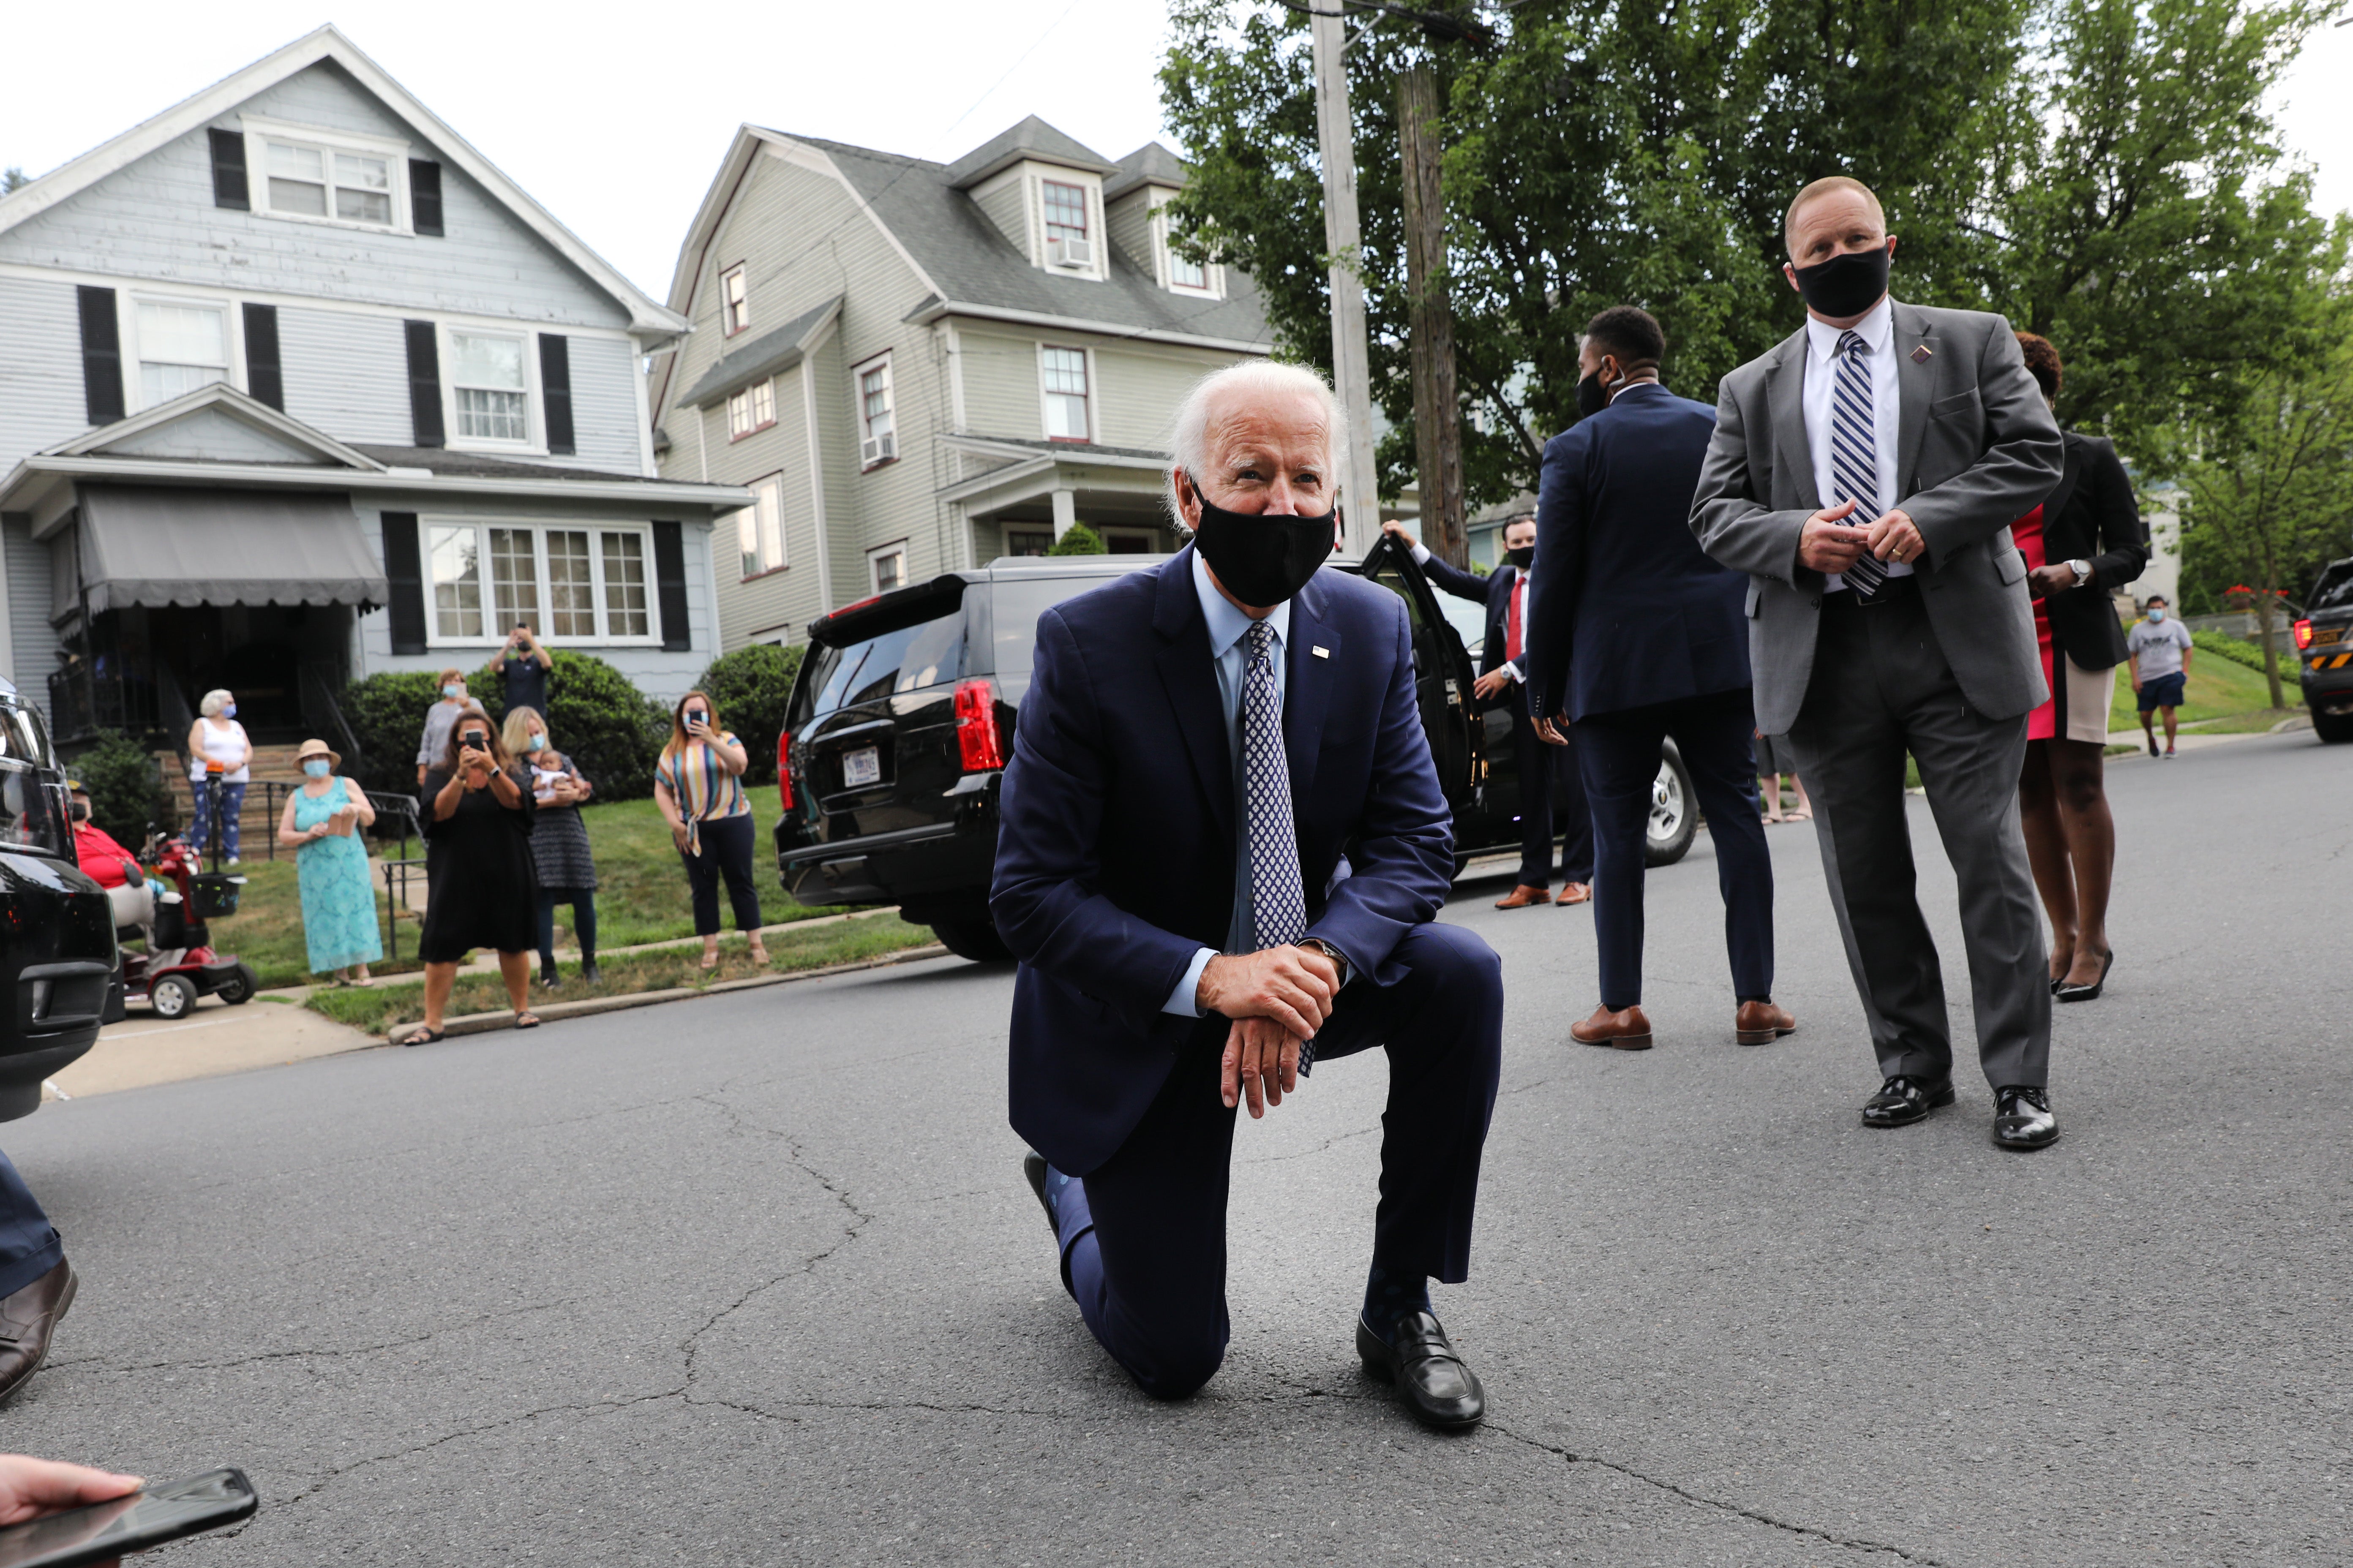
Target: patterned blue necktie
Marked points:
1278	907
1854	456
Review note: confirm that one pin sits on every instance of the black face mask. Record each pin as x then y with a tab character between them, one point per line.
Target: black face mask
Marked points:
1523	558
80	812
1845	285
1592	397
1261	560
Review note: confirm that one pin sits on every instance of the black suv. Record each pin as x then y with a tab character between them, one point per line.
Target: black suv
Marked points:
2324	640
901	722
56	926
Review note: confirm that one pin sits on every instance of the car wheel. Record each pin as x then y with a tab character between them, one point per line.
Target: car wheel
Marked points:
2333	729
173	996
1675	815
976	939
239	987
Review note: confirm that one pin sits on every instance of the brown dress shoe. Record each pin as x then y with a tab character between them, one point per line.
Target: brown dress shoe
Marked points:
28	1319
1625	1031
1521	897
1575	893
1761	1022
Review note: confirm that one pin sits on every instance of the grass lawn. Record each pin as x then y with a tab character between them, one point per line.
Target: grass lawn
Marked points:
377	1009
642	897
2217	689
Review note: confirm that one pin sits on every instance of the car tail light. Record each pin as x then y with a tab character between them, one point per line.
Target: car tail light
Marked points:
784	770
2303	635
976	736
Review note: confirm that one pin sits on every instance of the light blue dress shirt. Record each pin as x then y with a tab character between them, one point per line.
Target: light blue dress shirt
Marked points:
1227	626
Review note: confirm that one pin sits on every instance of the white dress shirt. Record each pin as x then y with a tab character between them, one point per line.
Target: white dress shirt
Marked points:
1877	330
1510	666
1227	627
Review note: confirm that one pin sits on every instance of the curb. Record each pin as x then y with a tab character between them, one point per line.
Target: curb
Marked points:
555	1011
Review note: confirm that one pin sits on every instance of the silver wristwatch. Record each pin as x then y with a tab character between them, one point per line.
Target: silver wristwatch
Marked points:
2082	570
1339	961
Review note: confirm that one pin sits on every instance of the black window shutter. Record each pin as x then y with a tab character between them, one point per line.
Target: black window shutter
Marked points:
406	580
555	388
425	196
424	382
101	355
670	580
262	374
228	171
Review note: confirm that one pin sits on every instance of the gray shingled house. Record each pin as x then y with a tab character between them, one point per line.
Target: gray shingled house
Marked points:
917	366
297	387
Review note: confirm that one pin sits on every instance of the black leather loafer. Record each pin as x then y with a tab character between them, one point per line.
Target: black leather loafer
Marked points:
1440	1390
28	1319
1903	1100
1033	1165
2023	1118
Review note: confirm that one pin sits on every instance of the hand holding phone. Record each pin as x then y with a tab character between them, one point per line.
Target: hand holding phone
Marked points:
105	1530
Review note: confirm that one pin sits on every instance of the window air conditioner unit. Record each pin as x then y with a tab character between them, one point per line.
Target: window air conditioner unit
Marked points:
1065	252
876	449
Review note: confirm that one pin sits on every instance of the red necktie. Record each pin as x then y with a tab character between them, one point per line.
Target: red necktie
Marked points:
1512	619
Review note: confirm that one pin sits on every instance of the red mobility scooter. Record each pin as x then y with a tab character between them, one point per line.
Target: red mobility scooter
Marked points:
179	965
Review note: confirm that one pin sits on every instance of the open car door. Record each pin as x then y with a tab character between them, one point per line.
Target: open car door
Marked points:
1442	676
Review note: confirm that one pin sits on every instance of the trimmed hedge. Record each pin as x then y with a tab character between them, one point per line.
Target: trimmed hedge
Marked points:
1079	541
597	716
2223	645
126	788
751	687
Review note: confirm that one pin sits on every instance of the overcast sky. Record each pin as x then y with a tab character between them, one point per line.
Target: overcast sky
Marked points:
615	117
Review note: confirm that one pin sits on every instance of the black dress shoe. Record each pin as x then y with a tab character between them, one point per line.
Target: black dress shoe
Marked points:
28	1319
1440	1390
1033	1165
1903	1100
2066	993
2023	1118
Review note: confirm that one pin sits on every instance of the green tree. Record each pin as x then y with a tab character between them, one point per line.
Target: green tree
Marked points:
1079	540
13	178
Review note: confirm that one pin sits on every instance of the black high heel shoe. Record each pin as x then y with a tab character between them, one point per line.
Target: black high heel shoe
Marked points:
2066	993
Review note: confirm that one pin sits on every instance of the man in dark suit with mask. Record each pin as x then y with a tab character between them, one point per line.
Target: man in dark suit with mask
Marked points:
1543	771
1634	635
1864	473
1199	743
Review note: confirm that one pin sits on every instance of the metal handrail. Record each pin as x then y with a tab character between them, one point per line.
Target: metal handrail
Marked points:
396	875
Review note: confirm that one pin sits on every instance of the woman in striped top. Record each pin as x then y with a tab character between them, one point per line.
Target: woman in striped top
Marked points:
699	784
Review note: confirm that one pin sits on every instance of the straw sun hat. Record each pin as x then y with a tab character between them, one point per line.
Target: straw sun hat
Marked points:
316	748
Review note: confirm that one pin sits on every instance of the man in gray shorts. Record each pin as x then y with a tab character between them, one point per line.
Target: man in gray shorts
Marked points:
2160	650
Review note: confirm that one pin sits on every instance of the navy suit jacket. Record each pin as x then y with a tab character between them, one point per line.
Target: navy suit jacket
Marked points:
1625	610
1116	848
1494	590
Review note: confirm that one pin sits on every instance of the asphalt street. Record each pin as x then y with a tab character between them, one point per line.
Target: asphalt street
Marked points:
756	1279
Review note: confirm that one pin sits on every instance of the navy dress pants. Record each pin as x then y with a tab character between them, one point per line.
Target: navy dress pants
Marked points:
1620	754
1543	771
29	1245
1143	1235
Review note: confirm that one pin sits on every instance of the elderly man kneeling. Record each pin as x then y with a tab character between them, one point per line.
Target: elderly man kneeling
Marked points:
1198	744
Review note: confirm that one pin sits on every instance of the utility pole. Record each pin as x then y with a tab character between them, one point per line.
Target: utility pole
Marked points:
1351	362
1437	420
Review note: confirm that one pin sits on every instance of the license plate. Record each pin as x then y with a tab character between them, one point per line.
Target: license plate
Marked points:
2327	634
862	767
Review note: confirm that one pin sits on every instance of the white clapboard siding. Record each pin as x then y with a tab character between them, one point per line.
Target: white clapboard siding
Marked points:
1001	391
604	406
155	221
40	368
1139	388
346	374
33	646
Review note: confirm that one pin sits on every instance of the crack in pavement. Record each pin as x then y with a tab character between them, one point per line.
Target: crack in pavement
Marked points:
1303	1154
769	1413
1855	1543
99	1363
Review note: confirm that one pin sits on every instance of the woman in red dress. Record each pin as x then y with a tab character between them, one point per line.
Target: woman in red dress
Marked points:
2071	839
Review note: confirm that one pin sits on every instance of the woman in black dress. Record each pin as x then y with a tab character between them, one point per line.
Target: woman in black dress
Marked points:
484	891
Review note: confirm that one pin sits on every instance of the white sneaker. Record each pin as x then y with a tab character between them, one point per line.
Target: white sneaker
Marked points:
235	861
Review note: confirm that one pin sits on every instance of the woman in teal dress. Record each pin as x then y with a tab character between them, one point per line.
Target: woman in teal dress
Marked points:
322	825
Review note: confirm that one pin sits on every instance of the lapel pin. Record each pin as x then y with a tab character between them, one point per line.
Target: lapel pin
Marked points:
1320	651
1921	354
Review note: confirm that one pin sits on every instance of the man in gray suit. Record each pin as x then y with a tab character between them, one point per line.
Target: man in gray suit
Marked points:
1864	474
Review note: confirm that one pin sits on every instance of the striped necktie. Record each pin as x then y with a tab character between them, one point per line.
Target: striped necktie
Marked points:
1854	456
1278	907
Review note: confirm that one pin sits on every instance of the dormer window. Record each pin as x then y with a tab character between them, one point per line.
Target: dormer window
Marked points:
1068	242
1181	274
734	300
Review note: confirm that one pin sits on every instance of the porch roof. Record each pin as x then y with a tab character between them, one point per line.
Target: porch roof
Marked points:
159	547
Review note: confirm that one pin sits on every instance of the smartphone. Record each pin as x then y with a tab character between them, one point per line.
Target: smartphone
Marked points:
167	1510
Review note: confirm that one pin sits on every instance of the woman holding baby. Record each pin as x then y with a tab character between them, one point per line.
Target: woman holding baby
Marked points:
559	841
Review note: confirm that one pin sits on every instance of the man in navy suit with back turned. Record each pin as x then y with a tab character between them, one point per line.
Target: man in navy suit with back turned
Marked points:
1502	676
1198	743
1635	634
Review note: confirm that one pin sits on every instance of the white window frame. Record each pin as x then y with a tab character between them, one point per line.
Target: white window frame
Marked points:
534	441
260	132
769	553
857	373
730	325
752	409
1093	395
1098	235
135	358
1006	533
493	635
874	558
1212	287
